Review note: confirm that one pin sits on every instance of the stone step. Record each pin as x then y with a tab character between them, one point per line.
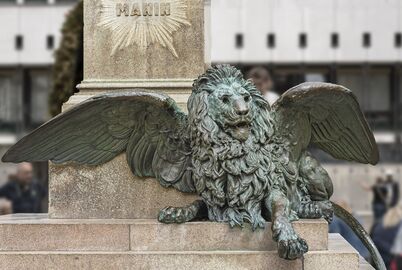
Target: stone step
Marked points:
364	265
339	254
36	232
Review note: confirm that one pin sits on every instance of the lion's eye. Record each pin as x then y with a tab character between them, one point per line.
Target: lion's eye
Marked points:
247	98
225	99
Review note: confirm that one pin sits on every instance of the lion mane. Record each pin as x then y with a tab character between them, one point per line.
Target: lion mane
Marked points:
233	177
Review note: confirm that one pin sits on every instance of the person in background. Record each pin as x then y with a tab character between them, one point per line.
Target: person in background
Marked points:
396	262
387	236
392	190
5	207
24	193
262	79
380	194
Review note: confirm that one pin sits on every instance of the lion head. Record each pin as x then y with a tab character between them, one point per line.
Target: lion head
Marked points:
223	102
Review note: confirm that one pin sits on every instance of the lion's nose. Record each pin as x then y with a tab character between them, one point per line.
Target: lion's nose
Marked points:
241	107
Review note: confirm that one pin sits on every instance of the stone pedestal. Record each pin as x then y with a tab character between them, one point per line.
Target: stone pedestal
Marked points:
152	45
147	45
37	242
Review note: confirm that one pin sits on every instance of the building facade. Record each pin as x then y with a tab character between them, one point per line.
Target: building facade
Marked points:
354	43
29	33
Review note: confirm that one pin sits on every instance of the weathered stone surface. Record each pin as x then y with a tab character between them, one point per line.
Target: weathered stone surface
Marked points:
107	191
335	258
179	95
150	235
201	260
33	241
343	256
135	63
36	232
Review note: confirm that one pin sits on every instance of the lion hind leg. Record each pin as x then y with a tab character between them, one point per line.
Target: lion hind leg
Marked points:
195	210
315	177
316	209
319	189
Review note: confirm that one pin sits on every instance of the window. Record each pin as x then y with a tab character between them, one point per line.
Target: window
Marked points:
35	1
288	77
373	91
334	40
8	2
40	87
10	101
50	42
65	1
19	42
398	40
400	98
239	41
366	40
315	76
303	40
271	40
372	88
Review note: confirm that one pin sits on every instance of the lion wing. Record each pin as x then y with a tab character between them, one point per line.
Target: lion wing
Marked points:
328	116
148	126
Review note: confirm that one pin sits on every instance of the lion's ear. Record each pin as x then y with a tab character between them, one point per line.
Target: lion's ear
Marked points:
202	79
260	101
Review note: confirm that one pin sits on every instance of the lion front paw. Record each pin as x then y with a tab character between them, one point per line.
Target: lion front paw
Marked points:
290	245
292	249
175	215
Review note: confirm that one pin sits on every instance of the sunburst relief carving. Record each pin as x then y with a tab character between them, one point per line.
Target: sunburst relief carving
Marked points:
143	23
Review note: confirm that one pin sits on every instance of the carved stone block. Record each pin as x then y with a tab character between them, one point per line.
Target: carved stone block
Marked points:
127	42
107	191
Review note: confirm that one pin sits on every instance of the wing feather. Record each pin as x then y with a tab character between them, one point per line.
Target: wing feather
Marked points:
337	124
146	125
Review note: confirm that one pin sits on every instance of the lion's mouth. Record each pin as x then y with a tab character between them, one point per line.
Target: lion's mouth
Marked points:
240	130
242	125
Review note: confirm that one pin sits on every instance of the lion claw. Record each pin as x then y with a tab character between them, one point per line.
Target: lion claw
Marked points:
174	215
290	245
292	249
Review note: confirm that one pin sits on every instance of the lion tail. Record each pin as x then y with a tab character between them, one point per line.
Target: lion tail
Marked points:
362	234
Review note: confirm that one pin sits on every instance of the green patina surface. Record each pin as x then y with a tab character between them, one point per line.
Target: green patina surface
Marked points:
248	162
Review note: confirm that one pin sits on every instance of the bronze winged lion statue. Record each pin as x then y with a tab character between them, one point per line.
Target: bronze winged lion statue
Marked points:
247	161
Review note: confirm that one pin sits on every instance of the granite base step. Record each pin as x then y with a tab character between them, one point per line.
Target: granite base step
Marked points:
39	233
37	242
339	254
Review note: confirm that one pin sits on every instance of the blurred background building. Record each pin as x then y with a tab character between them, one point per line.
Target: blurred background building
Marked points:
354	43
29	33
